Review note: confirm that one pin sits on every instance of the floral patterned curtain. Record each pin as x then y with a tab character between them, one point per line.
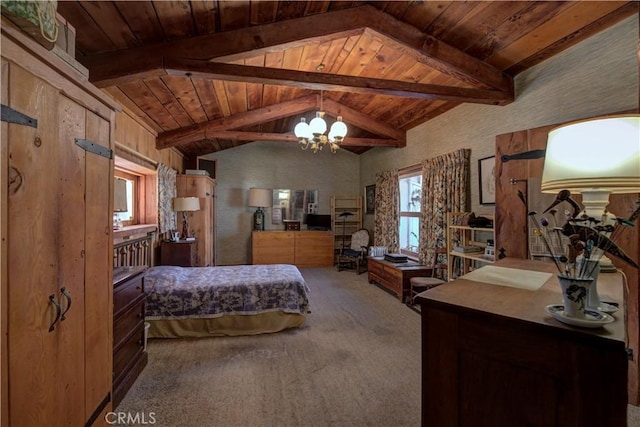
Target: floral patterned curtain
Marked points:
445	188
166	193
387	210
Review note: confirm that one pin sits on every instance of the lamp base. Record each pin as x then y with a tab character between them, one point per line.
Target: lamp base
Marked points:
258	220
185	226
595	203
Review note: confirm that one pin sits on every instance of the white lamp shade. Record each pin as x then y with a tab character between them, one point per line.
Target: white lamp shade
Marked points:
318	125
260	197
302	129
338	129
183	204
120	195
594	154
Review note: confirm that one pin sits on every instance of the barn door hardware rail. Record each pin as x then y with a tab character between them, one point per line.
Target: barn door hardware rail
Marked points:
94	148
527	155
10	115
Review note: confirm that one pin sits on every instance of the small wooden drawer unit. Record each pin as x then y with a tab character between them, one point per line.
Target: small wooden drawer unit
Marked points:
129	357
183	253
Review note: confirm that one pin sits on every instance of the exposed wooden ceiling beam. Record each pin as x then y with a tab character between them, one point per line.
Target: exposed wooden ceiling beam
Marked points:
199	131
289	137
224	128
356	118
282	35
323	81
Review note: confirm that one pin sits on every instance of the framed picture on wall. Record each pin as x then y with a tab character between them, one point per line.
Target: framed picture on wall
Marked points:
487	180
370	199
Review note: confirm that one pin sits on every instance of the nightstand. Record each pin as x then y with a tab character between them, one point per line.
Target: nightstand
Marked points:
183	253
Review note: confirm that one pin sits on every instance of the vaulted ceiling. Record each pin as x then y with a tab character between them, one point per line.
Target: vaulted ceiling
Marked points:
211	75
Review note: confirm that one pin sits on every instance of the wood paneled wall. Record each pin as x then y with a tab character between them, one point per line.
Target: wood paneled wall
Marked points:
511	225
134	136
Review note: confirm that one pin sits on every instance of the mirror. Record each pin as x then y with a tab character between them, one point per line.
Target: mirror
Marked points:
293	205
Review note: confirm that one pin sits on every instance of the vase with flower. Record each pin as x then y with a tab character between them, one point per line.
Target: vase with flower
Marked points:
576	249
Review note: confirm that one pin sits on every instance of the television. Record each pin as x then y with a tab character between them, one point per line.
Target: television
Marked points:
318	222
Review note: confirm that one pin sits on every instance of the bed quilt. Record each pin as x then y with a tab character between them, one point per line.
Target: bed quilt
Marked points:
200	292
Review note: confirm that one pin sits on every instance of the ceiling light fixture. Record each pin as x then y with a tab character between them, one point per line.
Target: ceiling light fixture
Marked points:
312	135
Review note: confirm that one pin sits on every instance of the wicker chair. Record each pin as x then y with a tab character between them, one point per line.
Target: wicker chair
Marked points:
355	256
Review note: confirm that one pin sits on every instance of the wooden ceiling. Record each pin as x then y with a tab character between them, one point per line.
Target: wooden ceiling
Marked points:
211	75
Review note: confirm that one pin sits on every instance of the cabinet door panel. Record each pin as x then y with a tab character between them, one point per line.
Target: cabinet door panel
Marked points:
32	262
71	240
98	292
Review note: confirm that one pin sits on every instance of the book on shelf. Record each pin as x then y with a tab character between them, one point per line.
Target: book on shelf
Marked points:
467	249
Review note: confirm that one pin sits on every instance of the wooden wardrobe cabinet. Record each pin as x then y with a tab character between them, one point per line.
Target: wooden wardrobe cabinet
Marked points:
56	240
202	222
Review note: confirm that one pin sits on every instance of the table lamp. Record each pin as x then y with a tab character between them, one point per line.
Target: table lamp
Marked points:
184	205
259	198
595	158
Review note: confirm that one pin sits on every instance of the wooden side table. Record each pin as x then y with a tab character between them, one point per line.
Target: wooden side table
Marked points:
183	253
395	276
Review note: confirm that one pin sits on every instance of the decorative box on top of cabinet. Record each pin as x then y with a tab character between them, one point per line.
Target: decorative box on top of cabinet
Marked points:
129	357
55	279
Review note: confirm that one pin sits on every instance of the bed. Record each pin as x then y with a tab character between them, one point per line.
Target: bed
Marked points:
229	300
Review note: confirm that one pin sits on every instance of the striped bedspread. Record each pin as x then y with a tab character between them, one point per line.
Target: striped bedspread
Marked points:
199	292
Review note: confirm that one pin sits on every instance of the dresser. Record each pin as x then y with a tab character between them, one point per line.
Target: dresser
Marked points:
183	253
129	356
300	248
493	356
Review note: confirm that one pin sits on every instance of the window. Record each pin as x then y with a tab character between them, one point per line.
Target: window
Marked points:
410	198
131	215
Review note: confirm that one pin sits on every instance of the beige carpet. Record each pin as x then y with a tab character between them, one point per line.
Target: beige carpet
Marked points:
355	362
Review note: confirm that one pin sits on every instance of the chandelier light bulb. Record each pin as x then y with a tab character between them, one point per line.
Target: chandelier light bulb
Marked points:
318	125
338	130
302	129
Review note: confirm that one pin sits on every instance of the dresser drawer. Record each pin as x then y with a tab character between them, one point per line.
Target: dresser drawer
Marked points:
128	352
128	321
126	292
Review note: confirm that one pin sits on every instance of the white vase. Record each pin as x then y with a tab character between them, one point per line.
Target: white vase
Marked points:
592	270
575	294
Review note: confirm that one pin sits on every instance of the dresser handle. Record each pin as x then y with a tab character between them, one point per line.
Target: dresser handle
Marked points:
68	297
52	300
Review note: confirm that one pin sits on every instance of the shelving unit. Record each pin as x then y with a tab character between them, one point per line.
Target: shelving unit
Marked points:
344	228
463	235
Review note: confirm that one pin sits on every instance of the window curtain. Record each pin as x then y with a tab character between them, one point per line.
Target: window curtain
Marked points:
386	212
166	193
445	188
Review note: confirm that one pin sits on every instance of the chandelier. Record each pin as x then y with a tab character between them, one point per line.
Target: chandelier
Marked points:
312	135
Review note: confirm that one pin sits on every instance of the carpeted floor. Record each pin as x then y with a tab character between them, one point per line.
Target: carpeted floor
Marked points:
355	362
